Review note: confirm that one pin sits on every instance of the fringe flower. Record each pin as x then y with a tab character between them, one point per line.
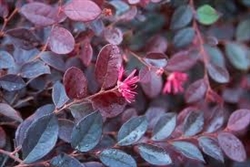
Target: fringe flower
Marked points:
127	86
175	83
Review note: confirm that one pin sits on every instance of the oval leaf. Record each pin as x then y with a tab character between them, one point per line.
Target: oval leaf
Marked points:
53	60
154	155
218	74
34	69
43	132
12	82
39	13
243	31
109	104
211	147
182	16
9	112
115	158
132	130
196	91
182	61
6	60
59	95
87	133
80	10
61	40
164	127
193	123
23	38
107	66
237	55
151	82
63	160
75	83
232	146
113	35
207	15
188	149
65	129
239	120
86	53
183	37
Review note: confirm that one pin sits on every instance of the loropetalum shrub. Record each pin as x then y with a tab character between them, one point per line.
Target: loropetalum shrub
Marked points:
91	83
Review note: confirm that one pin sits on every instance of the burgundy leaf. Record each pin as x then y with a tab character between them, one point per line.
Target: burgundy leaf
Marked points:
153	87
182	61
61	40
4	11
232	146
196	91
75	83
157	44
107	66
239	120
218	73
86	53
23	38
40	14
113	35
80	10
10	112
109	104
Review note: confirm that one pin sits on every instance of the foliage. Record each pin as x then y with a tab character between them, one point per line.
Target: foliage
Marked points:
124	83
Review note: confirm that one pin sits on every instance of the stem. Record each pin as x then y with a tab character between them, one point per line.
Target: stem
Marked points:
6	20
86	99
11	155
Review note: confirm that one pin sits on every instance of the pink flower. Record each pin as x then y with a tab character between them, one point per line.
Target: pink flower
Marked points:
175	82
127	86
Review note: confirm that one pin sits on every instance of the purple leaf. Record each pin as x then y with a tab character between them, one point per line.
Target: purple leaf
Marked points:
132	130
34	69
164	127
115	158
53	60
87	132
239	120
188	149
218	73
151	84
107	66
86	53
113	35
156	59
6	60
196	91
12	82
193	123
232	146
59	95
40	14
154	155
8	111
61	40
80	10
109	104
63	160
211	147
182	61
2	137
65	129
23	38
75	83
